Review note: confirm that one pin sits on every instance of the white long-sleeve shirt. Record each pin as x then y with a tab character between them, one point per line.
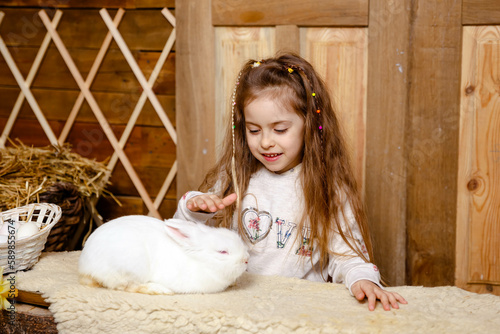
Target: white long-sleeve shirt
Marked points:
271	211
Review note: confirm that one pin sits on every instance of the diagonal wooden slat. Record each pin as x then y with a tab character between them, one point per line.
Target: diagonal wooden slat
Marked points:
25	89
90	78
138	74
98	113
166	185
142	99
168	15
147	92
173	171
29	80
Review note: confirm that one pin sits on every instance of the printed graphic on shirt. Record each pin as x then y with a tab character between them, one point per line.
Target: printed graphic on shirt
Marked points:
305	248
257	224
283	238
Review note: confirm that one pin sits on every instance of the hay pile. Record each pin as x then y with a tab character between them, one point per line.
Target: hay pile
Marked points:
54	175
27	172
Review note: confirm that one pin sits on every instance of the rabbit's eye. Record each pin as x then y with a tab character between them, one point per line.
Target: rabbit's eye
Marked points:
223	252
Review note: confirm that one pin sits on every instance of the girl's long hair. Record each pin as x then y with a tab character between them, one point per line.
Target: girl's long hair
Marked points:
326	174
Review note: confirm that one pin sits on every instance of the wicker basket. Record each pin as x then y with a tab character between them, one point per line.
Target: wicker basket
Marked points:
27	250
72	203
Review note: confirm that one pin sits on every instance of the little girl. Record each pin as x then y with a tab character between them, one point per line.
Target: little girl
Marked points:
284	181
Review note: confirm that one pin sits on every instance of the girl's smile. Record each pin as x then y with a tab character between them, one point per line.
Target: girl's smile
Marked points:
271	157
275	135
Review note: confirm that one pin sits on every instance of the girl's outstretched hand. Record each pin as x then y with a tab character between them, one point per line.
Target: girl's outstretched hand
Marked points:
372	292
209	202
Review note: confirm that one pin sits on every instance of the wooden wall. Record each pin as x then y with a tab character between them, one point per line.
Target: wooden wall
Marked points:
405	141
416	83
478	209
115	88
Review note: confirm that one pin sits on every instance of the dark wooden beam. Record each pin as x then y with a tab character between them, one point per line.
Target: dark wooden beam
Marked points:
295	12
195	92
476	12
90	3
387	105
432	134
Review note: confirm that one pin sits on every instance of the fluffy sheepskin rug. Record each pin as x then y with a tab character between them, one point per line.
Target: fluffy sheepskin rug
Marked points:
256	304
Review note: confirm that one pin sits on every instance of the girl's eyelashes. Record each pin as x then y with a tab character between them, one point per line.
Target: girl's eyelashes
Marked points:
255	131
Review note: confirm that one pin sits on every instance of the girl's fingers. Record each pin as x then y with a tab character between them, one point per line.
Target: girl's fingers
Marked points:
228	200
372	299
197	203
385	301
357	291
191	205
399	298
393	301
209	203
363	289
212	202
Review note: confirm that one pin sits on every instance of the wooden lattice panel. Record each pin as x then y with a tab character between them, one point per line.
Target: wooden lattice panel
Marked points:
89	101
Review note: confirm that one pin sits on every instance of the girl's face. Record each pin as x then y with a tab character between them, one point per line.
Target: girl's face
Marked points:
275	135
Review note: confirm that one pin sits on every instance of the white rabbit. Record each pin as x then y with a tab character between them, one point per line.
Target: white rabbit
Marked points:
147	255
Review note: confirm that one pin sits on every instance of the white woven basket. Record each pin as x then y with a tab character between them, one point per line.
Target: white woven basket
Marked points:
24	253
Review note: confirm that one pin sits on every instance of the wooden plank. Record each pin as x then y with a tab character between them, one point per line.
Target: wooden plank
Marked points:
480	12
145	30
90	3
287	38
296	12
132	205
387	101
56	105
340	57
478	216
152	176
128	205
233	47
31	298
432	139
195	104
114	74
147	146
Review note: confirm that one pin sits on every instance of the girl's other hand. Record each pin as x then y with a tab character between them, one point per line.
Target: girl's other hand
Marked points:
209	202
372	292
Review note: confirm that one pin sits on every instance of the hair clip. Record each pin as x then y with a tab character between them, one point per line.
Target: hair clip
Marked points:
290	69
318	111
256	64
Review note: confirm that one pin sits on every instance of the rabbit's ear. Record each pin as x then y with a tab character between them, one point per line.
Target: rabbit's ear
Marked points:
180	233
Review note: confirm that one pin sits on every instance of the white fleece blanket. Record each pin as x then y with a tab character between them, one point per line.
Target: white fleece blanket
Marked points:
256	304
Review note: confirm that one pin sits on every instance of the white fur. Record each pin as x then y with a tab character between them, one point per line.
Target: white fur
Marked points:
148	255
